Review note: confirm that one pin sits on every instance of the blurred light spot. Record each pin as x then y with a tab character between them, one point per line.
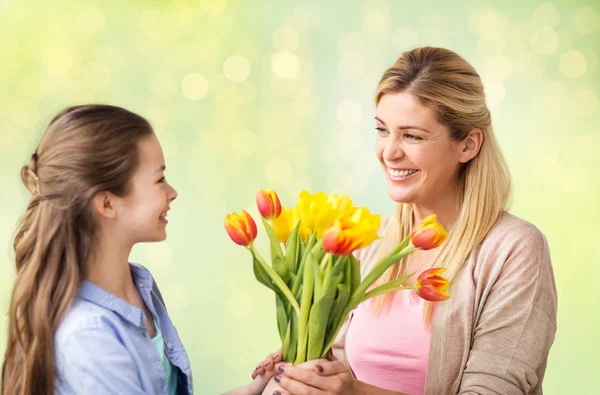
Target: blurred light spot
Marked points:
545	41
404	39
586	20
305	17
491	44
375	22
236	68
152	23
494	92
213	6
487	21
572	64
163	85
349	112
565	39
498	68
585	103
240	305
57	61
590	59
248	92
194	86
96	76
91	20
23	113
352	65
285	64
159	255
278	170
244	142
364	163
285	38
545	15
533	67
352	42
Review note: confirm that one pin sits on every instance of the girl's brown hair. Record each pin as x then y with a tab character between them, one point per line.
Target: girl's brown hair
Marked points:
85	149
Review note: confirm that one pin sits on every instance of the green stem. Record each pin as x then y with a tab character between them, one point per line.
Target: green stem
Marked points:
276	279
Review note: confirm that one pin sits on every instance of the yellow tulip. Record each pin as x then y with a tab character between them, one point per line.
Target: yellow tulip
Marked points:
428	234
283	224
350	233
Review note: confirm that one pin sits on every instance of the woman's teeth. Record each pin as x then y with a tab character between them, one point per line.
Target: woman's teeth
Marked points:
401	173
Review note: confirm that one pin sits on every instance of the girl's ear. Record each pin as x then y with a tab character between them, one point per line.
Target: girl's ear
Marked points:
103	205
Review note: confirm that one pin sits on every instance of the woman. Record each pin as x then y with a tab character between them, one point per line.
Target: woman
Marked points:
439	155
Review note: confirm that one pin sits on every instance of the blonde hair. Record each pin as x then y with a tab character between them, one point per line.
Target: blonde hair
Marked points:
86	149
450	86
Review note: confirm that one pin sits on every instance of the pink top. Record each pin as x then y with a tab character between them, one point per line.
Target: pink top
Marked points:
390	350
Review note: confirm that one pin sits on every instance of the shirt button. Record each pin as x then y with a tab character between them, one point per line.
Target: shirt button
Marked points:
169	346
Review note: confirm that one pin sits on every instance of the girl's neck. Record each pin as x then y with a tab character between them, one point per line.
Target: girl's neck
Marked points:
108	268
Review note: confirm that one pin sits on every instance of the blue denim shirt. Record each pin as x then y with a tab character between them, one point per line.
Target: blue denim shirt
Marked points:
102	345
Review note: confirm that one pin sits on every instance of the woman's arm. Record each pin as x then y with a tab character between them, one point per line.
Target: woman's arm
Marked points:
517	324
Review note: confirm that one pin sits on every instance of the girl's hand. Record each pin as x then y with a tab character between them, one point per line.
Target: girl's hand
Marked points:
263	372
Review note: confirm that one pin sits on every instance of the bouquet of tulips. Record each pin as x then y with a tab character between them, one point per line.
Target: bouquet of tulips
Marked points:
315	276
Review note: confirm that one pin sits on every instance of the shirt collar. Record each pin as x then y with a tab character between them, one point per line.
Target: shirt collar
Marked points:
99	296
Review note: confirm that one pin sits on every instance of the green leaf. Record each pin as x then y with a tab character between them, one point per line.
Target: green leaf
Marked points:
339	303
292	250
305	305
355	276
290	344
317	323
282	317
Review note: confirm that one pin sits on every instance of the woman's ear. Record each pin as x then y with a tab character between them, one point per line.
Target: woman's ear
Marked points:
471	145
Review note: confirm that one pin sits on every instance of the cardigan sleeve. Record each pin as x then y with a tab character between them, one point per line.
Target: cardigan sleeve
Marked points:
516	314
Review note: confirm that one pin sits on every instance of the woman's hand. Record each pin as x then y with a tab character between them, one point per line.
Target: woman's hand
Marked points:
263	372
318	377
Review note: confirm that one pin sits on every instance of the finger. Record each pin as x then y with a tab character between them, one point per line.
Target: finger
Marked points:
268	363
307	377
330	368
278	356
258	370
330	356
296	387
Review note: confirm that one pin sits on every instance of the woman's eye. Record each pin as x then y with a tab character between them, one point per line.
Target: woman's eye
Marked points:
412	137
381	130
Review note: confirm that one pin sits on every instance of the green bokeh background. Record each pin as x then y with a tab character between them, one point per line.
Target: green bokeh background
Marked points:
279	95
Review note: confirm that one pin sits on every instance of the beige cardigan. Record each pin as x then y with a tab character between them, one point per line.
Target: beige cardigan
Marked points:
494	334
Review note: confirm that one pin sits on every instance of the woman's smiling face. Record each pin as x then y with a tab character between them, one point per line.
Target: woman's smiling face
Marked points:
418	157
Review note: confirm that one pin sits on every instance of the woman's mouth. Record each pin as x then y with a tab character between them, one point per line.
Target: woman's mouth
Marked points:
401	175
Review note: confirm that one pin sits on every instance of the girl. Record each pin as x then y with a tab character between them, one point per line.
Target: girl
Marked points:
83	319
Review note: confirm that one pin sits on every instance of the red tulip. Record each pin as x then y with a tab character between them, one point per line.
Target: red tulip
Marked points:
268	204
428	234
241	228
431	286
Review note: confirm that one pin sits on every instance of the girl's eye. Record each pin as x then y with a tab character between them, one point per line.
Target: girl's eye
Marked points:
412	137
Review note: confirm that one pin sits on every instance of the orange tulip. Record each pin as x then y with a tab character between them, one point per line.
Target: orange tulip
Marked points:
268	204
431	286
428	234
241	228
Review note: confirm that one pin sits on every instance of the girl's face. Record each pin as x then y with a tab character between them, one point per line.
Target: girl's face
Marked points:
419	159
143	213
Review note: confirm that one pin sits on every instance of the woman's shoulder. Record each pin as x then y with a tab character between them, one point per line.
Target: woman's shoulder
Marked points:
511	230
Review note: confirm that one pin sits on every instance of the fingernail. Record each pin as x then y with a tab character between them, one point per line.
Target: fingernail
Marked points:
267	364
277	378
258	366
281	368
320	368
276	356
276	393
